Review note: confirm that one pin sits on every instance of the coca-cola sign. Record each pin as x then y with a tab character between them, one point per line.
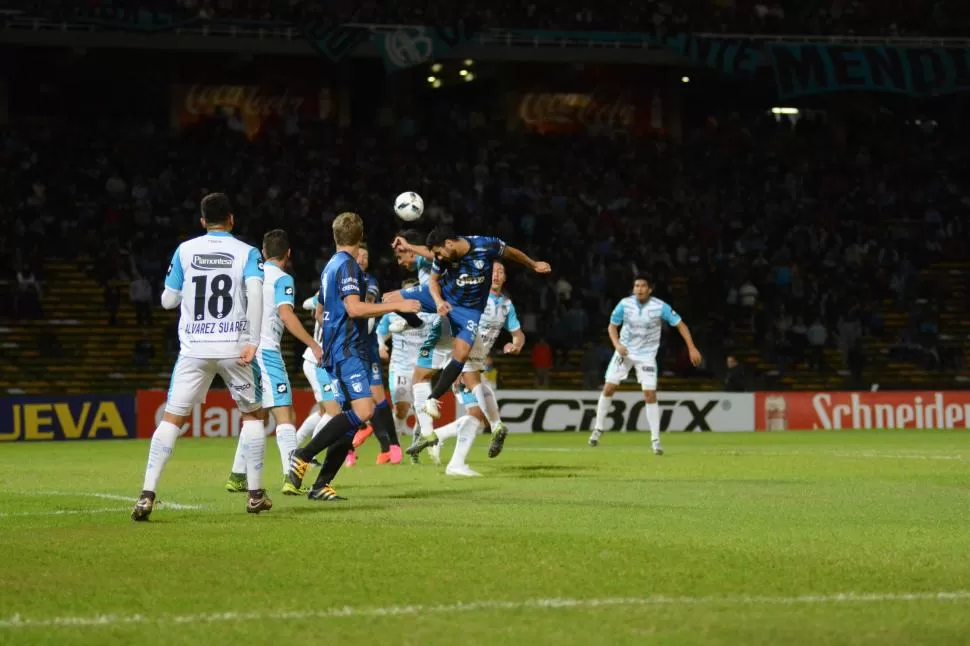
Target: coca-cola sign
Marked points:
594	113
251	105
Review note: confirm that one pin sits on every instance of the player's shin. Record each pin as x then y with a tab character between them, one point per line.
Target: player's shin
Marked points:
652	412
447	378
321	424
467	429
306	428
422	390
485	397
286	441
334	459
163	443
253	438
343	425
384	425
602	410
239	462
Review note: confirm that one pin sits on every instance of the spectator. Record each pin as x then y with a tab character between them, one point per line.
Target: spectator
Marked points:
542	362
748	295
29	294
734	379
141	298
564	290
816	336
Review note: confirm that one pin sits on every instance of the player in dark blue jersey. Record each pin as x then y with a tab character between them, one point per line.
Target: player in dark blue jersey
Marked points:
461	278
347	356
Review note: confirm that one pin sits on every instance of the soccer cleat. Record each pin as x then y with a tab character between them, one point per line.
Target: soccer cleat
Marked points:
498	440
298	469
435	453
384	458
414	459
236	483
422	444
143	508
290	490
397	325
463	470
433	408
395	454
351	459
657	449
258	501
325	493
594	438
361	436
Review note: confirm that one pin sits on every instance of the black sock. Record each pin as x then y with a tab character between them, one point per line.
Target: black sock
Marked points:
343	425
412	319
447	378
336	455
384	426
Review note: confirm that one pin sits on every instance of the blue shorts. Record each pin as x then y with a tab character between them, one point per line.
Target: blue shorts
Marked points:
376	378
274	381
352	378
464	320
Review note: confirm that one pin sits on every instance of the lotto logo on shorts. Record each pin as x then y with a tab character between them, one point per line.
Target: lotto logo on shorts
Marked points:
281	388
288	291
426	353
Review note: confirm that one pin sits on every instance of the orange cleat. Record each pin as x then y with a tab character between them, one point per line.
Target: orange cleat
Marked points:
395	454
384	458
362	435
351	459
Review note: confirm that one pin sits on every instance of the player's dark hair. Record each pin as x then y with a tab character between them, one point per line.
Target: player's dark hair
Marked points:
647	278
438	237
215	208
363	246
413	236
276	243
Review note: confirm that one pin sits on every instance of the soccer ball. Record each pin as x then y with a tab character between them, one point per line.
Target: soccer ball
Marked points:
409	206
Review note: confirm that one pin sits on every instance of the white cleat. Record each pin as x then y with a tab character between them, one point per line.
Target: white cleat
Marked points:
435	453
594	438
397	326
657	449
463	470
433	408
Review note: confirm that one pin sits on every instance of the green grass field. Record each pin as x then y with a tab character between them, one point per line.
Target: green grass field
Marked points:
798	538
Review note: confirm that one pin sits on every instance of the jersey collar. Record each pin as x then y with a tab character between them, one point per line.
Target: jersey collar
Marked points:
219	234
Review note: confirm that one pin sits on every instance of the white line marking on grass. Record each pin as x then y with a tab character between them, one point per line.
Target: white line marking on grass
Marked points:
162	504
17	621
66	512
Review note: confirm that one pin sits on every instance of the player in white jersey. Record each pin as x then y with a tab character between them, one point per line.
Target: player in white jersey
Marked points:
279	298
406	345
474	394
435	353
218	280
320	383
635	329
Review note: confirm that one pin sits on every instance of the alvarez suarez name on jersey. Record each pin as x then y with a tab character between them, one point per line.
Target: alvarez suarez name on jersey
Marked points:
210	274
465	285
346	351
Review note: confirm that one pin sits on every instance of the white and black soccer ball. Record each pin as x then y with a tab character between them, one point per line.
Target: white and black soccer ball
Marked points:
409	206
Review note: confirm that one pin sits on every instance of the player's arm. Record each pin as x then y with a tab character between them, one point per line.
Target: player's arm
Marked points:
515	329
613	329
401	244
253	275
434	288
285	293
174	279
383	334
518	256
673	319
357	309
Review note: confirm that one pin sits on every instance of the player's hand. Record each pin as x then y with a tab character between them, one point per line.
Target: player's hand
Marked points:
317	353
409	306
382	350
247	354
400	245
542	268
444	307
695	356
622	351
511	348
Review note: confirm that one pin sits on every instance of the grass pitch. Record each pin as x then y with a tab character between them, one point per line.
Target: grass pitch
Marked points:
797	538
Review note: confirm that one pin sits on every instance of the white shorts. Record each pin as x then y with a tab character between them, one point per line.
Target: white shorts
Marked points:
474	364
191	379
400	383
319	382
274	381
619	369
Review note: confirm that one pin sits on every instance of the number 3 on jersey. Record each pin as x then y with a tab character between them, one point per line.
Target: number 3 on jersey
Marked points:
218	303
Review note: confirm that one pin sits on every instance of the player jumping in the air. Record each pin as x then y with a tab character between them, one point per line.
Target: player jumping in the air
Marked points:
218	280
279	294
346	355
637	341
499	314
458	290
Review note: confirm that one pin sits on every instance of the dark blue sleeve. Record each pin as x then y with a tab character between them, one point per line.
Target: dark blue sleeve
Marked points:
495	247
349	279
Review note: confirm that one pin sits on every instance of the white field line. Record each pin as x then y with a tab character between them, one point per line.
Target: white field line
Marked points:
881	455
17	621
162	504
66	512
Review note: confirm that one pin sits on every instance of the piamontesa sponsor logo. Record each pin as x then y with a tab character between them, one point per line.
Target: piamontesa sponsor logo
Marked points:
207	261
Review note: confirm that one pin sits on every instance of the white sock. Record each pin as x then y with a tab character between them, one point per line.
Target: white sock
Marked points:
239	462
286	441
450	430
320	424
602	408
467	430
485	397
253	437
422	390
653	421
400	426
306	428
163	443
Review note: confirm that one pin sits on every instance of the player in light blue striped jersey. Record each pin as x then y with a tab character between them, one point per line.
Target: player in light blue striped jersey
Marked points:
635	329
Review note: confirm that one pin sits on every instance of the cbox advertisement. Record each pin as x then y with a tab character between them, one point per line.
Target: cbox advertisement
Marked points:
527	411
795	411
67	417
